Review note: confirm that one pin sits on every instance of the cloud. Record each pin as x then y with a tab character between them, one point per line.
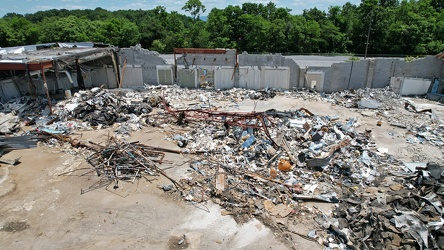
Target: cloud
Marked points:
44	7
75	7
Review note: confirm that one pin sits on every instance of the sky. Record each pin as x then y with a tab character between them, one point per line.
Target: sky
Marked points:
32	6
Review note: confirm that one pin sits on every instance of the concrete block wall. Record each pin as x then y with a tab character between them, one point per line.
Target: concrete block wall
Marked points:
347	75
370	73
384	69
138	57
193	60
376	73
420	68
270	60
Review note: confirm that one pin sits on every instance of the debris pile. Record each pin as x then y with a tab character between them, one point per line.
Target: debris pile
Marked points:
176	93
269	164
406	215
422	125
367	98
103	107
119	160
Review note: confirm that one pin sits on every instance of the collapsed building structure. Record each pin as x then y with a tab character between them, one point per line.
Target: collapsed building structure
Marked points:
52	68
68	65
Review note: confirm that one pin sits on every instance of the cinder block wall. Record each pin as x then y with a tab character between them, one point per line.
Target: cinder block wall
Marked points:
139	57
270	60
376	73
192	60
347	75
370	73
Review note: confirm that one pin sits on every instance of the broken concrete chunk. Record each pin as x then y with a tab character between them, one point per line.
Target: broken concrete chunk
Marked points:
268	205
281	210
369	104
220	180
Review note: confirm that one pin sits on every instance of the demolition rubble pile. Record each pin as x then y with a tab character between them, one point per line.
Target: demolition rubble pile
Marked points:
175	93
104	108
407	215
123	161
100	107
381	98
96	107
267	164
422	125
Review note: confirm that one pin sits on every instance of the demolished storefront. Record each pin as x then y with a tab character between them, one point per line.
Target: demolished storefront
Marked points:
53	68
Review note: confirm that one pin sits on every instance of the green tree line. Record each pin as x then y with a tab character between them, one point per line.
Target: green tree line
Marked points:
409	27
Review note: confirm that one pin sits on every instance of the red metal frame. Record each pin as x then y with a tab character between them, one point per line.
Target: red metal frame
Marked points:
258	120
22	66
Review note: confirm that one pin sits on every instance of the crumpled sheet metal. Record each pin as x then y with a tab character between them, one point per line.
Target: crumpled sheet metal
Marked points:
409	215
411	224
102	107
95	107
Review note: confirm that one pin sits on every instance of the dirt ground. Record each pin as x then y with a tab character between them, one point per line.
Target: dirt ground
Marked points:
42	206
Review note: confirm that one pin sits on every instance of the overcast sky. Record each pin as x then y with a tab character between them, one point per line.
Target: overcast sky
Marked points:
32	6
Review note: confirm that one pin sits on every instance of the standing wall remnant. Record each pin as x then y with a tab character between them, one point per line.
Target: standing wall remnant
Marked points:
256	71
267	62
376	73
141	66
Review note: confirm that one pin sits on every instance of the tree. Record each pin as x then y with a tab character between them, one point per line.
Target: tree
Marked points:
220	30
119	31
5	33
66	29
195	7
255	30
22	31
410	27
